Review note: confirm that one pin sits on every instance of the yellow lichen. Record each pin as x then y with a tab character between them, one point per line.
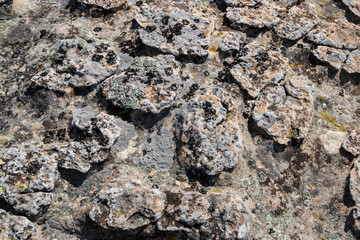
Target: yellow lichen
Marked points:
331	120
220	33
2	189
193	74
292	133
3	142
228	116
213	49
20	186
217	190
315	214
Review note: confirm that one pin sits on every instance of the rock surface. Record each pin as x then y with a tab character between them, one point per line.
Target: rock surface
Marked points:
191	119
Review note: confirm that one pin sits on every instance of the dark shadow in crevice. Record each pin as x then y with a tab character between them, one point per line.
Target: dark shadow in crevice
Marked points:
351	226
73	177
346	154
352	78
347	199
351	17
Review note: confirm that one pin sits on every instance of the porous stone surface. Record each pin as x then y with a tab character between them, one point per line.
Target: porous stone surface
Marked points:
190	119
259	65
212	143
354	6
332	56
128	205
177	32
300	20
256	14
339	34
352	64
284	112
26	180
77	63
352	143
149	85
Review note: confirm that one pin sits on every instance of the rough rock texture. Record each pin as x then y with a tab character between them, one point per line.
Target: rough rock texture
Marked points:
191	119
177	33
352	143
300	20
338	34
149	85
127	206
211	141
257	14
352	64
78	64
25	179
334	57
260	65
200	215
285	113
354	6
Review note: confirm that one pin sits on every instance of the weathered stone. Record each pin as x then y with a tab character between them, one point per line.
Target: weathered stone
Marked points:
284	117
352	64
30	204
352	143
15	227
25	178
197	214
149	85
332	56
354	6
99	132
211	141
254	14
128	205
78	64
332	141
355	182
299	21
106	4
231	42
158	150
259	67
178	33
339	34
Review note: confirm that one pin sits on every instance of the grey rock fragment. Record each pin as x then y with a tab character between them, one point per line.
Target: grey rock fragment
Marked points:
352	64
332	56
177	33
26	181
284	117
254	14
231	42
355	182
211	142
259	67
354	6
105	4
78	64
149	85
197	214
158	151
352	143
128	205
339	34
101	131
15	227
299	21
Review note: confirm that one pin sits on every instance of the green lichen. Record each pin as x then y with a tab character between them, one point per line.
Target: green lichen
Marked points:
20	186
159	178
125	96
